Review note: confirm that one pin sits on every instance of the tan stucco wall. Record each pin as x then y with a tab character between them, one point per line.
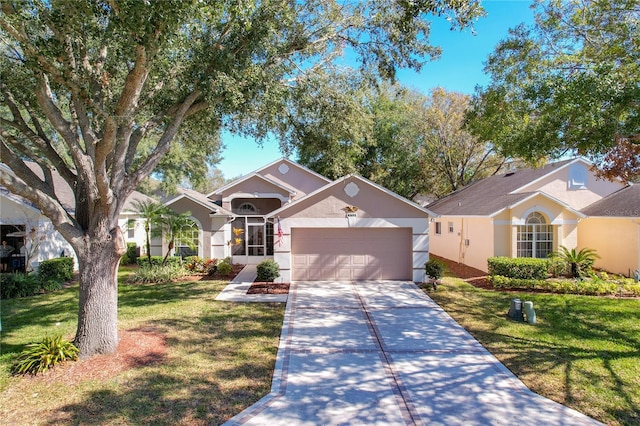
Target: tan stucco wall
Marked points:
616	241
370	201
255	184
556	185
471	242
295	177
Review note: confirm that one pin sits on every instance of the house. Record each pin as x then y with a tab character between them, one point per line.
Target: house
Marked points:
316	229
612	226
32	234
531	213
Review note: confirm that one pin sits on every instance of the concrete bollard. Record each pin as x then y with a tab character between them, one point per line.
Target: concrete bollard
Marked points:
527	307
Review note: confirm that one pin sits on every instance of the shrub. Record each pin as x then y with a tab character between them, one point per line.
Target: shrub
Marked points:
199	265
224	267
60	269
580	262
156	261
39	357
157	274
520	267
557	267
434	268
131	255
268	270
595	287
19	285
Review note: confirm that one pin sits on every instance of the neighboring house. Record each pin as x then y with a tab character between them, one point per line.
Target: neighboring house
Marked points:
32	234
612	227
314	228
531	213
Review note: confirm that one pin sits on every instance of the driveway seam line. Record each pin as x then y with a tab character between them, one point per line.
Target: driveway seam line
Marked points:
407	407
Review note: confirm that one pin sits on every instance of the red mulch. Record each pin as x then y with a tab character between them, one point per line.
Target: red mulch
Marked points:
268	288
137	347
473	276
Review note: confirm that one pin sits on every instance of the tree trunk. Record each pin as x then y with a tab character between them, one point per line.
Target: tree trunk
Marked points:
98	308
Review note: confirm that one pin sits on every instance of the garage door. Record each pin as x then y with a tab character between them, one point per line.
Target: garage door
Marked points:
351	254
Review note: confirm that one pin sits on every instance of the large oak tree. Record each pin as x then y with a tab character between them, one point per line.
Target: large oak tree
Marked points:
102	90
570	83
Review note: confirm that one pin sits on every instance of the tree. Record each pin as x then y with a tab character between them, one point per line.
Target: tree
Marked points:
102	91
151	212
579	262
177	226
401	139
568	84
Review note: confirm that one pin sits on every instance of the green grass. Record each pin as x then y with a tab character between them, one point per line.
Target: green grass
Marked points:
584	351
219	360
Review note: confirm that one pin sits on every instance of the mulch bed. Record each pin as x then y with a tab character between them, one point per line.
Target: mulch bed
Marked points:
473	276
268	288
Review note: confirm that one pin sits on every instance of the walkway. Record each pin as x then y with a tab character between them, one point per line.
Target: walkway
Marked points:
236	290
385	353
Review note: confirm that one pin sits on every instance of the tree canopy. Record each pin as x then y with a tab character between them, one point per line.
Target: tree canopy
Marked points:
401	139
568	84
101	92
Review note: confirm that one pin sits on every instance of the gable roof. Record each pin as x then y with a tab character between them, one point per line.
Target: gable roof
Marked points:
494	193
294	164
245	178
622	203
365	181
200	199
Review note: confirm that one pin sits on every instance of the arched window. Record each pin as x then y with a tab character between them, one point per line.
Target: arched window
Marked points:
535	237
246	208
188	239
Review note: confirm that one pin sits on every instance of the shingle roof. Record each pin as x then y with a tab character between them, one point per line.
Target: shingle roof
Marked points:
492	194
622	203
200	199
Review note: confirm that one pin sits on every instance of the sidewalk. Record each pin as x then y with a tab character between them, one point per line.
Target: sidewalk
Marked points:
236	291
384	353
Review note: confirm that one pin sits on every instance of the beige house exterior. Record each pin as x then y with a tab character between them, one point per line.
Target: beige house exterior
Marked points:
316	229
531	213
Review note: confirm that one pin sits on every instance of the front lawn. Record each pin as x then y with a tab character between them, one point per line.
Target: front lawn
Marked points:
219	359
584	351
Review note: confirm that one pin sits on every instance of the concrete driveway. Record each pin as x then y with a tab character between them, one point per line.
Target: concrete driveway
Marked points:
385	353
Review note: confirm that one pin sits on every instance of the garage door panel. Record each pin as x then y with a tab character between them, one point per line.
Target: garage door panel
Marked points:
351	254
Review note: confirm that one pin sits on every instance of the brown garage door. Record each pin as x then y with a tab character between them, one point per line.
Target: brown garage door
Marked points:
351	254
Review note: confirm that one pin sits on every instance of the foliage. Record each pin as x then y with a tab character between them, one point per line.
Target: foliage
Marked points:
568	83
156	261
106	93
578	262
224	267
151	212
19	285
401	139
199	265
557	267
39	357
268	270
519	267
159	273
587	287
178	226
131	256
434	268
59	269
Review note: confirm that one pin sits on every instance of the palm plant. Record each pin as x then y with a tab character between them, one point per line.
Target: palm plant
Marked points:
151	212
177	225
579	261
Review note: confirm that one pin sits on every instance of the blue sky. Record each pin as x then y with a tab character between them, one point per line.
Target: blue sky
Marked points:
460	69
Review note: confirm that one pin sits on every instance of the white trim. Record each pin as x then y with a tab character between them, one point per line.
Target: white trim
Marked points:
254	195
365	182
533	195
575	160
244	178
213	206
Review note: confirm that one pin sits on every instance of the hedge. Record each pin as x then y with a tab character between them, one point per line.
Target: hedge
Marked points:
143	261
585	287
519	267
59	269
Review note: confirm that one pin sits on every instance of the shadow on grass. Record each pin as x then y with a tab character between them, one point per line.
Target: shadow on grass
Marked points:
593	342
217	364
